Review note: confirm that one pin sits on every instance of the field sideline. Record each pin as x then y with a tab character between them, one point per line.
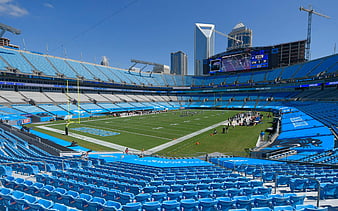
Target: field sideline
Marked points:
148	131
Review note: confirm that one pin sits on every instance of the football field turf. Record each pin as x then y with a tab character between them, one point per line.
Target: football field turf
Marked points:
148	131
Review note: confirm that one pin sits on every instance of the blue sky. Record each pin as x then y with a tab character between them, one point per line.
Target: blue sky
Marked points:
150	30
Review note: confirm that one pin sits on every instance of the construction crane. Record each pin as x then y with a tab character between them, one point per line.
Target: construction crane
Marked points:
225	35
4	28
310	11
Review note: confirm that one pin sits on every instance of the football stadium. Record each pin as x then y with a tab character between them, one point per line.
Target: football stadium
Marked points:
256	130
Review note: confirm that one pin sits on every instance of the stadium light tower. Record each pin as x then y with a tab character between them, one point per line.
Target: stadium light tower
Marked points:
4	28
310	11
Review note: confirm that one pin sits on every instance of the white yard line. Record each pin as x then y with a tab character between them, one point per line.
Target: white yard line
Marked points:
92	140
183	138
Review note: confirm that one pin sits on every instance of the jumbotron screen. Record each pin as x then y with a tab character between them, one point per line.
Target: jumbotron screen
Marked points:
257	59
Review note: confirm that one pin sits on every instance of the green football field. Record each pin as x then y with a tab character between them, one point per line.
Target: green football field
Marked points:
148	131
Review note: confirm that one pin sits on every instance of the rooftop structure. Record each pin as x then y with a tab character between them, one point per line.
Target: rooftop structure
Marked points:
204	45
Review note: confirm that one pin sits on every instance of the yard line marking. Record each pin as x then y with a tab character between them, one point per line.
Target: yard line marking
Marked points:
141	134
89	139
183	138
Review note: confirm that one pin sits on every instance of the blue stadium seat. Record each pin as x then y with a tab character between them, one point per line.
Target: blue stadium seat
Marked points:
281	201
163	188
202	186
111	206
159	196
57	194
282	208
283	180
189	204
263	191
5	171
268	176
328	190
247	191
204	193
189	194
244	203
170	205
317	209
216	185
25	202
261	209
224	203
155	182
59	207
137	206
231	192
263	202
82	201
219	193
207	204
124	197
174	195
149	189
112	194
143	197
4	192
176	187
298	184
45	192
41	204
297	200
11	202
95	204
69	197
189	187
303	206
151	206
255	183
228	185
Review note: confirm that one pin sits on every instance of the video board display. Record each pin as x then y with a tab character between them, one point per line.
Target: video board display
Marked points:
259	59
255	59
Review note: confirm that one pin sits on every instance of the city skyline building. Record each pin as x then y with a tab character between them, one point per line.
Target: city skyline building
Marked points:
179	63
241	37
204	45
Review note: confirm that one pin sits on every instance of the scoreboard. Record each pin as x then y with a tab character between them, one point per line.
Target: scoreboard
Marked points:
256	58
245	60
259	59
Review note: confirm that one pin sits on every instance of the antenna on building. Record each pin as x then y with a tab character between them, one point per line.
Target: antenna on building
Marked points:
64	51
24	44
334	48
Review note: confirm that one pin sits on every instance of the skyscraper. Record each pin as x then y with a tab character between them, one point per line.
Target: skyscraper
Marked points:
242	37
204	45
179	63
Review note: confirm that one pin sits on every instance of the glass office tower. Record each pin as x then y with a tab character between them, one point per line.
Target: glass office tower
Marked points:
204	45
179	63
242	37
